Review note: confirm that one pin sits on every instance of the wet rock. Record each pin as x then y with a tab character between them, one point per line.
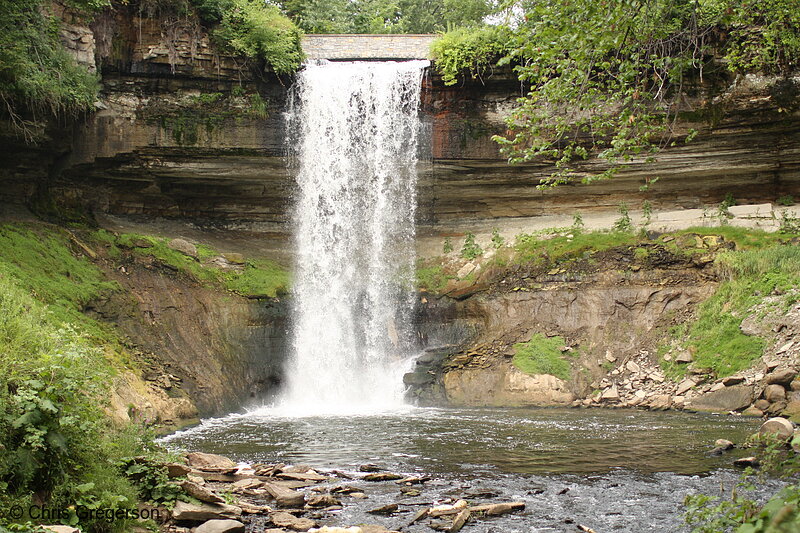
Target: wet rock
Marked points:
415	480
774	393
777	427
209	461
285	497
744	462
753	411
661	402
220	526
296	469
792	411
184	247
443	510
344	489
288	521
369	467
733	398
495	509
358	495
322	500
724	444
303	476
382	476
206	511
247	484
201	493
387	509
781	376
459	521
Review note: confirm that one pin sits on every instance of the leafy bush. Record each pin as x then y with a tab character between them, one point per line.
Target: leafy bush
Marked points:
469	50
542	355
258	30
471	249
38	79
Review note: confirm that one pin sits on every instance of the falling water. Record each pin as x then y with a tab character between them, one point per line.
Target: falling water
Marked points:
355	128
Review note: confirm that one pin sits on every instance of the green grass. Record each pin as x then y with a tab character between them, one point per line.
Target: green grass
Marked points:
542	355
745	238
432	278
260	278
40	260
753	274
534	248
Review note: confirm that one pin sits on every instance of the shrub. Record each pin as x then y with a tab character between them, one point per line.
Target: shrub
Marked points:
471	249
469	50
258	30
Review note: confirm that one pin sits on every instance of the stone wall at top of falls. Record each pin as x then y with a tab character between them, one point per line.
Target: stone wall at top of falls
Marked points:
182	132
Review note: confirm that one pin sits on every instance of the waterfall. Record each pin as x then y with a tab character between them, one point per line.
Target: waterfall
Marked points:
354	129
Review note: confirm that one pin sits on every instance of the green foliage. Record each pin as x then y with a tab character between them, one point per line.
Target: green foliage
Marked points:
432	278
716	336
542	355
497	239
647	213
471	249
623	223
534	249
786	200
469	50
603	76
789	223
385	16
258	30
38	79
577	222
258	278
447	247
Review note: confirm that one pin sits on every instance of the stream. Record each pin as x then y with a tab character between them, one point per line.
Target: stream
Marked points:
610	470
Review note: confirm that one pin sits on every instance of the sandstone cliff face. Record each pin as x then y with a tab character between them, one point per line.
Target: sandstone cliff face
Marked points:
227	351
613	314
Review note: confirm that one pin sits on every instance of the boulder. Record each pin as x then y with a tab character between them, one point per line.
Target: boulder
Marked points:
781	376
285	497
730	381
203	461
322	500
744	462
369	467
792	411
288	521
753	411
387	509
611	394
177	470
724	444
795	384
201	493
382	476
777	427
206	511
184	247
728	399
685	386
220	526
632	367
660	402
684	357
776	408
774	393
761	404
494	509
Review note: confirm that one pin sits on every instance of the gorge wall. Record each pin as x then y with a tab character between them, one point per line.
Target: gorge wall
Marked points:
187	141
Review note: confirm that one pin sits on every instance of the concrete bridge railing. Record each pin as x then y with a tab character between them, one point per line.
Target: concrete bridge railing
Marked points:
344	47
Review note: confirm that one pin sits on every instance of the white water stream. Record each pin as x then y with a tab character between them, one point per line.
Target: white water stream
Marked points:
354	129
